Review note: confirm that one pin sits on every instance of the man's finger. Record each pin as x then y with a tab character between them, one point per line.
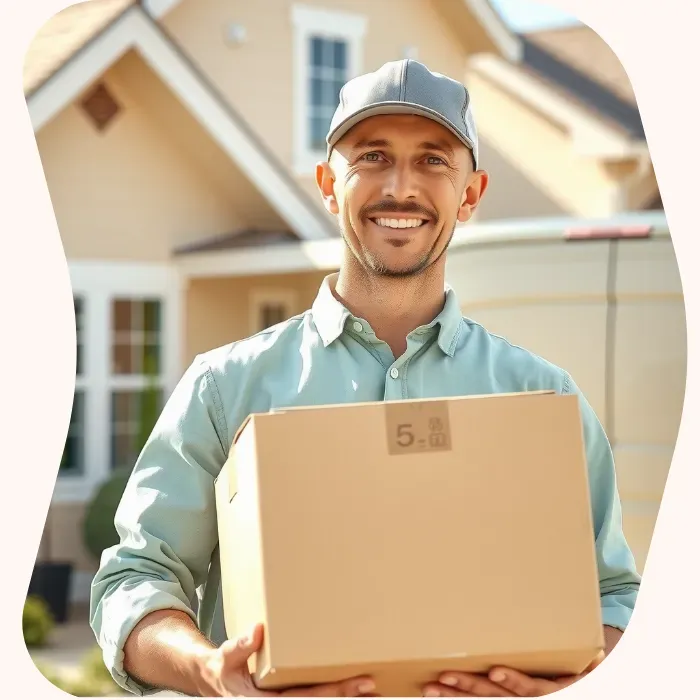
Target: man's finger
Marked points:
522	685
435	690
237	651
351	688
457	683
235	675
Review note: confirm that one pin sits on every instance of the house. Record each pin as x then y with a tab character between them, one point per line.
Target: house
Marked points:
178	140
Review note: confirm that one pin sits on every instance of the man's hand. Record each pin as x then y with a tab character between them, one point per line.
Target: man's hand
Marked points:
224	673
507	683
500	683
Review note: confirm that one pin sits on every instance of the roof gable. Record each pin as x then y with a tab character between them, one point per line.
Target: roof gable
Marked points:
132	28
577	62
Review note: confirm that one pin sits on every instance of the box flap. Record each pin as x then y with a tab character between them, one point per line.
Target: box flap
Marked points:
242	427
438	399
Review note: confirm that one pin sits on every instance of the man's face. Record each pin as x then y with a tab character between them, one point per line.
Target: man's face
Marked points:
398	185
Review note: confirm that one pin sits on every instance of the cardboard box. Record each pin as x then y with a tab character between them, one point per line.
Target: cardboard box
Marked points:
403	539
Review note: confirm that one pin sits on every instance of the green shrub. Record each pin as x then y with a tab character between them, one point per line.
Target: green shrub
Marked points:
92	681
99	532
37	622
93	667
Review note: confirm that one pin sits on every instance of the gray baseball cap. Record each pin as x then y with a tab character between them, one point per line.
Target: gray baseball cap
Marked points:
406	87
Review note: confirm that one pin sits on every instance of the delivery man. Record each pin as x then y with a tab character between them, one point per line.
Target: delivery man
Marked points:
402	169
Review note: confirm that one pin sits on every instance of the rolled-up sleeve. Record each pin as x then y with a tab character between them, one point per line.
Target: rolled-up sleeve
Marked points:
619	579
166	520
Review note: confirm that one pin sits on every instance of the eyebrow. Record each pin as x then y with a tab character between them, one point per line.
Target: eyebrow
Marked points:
425	145
437	146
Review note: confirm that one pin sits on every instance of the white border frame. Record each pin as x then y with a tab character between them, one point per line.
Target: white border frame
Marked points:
329	24
98	283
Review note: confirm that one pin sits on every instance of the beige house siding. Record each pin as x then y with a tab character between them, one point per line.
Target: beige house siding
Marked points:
551	297
531	143
257	76
151	180
219	310
512	192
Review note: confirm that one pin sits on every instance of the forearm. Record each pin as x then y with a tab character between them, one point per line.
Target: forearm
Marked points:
612	637
167	651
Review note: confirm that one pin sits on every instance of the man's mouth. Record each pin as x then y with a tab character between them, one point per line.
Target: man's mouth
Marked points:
386	222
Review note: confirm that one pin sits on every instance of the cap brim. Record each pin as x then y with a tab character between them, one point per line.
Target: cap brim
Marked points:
388	108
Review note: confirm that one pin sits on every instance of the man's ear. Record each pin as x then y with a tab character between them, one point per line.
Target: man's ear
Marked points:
325	180
474	191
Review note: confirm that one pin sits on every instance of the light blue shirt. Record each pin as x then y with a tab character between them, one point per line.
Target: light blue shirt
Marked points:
168	553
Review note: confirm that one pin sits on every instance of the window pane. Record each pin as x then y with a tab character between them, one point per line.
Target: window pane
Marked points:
79	322
72	458
328	94
316	91
136	336
319	129
151	359
121	359
121	315
316	51
339	55
336	92
272	314
151	316
134	413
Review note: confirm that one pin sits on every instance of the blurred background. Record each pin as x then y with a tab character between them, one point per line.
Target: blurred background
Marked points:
178	140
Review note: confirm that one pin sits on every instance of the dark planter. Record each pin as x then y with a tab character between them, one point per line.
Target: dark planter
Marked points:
51	581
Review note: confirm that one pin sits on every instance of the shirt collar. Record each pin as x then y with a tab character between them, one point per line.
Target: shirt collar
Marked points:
330	317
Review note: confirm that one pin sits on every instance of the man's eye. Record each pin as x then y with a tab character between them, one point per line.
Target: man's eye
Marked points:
435	160
372	157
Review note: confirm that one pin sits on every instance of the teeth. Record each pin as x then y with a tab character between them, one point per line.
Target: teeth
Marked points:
399	223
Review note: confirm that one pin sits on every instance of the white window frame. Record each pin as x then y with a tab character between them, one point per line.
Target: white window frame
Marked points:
328	24
261	297
98	283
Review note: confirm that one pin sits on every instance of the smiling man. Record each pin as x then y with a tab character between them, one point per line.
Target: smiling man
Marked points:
402	171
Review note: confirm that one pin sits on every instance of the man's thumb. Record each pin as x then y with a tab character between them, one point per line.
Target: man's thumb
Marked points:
238	651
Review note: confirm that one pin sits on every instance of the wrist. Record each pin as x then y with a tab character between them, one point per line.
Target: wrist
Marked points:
201	672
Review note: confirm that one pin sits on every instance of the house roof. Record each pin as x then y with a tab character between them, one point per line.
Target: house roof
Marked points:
64	34
575	61
237	239
134	28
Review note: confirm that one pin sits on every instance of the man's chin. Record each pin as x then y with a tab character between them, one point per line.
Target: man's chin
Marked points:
397	270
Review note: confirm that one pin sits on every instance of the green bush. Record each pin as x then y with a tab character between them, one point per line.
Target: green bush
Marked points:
93	680
93	667
37	622
99	532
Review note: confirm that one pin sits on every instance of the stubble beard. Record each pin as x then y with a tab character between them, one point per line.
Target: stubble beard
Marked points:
373	265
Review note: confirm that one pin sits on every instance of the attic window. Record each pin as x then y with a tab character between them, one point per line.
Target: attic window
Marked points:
100	106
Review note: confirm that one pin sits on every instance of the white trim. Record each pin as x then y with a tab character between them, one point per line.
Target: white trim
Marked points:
159	8
306	256
496	28
331	24
98	283
591	136
134	30
262	296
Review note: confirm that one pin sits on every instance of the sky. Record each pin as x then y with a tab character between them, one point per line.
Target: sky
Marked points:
528	15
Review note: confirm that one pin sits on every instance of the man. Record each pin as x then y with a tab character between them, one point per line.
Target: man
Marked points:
402	170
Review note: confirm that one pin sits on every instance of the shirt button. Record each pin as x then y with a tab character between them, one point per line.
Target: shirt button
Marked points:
357	326
394	373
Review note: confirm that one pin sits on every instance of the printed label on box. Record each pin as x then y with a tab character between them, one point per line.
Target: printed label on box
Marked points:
418	427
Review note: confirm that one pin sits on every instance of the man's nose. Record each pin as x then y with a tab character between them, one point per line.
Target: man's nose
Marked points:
401	183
